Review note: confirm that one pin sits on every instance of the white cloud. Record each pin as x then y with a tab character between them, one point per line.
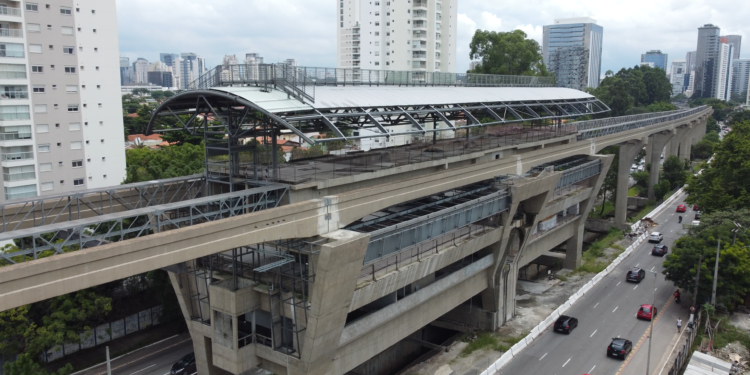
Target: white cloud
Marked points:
306	30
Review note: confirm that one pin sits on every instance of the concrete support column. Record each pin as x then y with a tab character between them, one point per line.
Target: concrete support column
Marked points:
698	132
338	265
658	141
574	246
685	144
628	151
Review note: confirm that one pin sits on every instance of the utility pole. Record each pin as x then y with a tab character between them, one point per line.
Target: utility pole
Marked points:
651	330
109	368
716	273
697	279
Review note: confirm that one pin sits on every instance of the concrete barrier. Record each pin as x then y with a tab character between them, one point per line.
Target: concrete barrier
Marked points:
516	349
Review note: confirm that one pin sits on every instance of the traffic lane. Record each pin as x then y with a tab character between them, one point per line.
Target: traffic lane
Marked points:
161	355
551	353
158	361
664	330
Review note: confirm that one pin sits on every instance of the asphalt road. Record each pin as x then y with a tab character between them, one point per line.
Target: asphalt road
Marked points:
156	359
607	311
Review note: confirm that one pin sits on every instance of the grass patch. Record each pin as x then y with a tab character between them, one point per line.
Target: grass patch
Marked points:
634	191
592	262
728	334
489	341
598	214
650	205
562	277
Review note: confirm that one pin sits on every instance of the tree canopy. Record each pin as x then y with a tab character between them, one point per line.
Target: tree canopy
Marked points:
734	262
674	172
721	108
725	182
145	164
640	89
508	53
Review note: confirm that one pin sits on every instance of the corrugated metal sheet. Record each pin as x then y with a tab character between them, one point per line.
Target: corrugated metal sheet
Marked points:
390	96
704	364
274	101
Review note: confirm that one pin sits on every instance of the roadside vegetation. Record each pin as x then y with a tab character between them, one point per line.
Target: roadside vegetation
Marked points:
490	341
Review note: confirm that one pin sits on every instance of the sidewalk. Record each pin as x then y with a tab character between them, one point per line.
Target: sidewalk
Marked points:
126	344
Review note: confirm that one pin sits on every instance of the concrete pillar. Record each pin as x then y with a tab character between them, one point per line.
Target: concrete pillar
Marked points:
658	141
574	246
698	132
685	144
338	265
628	151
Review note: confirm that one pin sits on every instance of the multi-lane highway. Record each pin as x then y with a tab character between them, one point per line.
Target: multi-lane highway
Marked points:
156	359
608	310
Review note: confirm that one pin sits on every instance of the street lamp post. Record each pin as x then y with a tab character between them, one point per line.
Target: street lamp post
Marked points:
651	329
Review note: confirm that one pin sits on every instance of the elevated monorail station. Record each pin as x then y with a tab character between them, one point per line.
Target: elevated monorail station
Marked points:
347	221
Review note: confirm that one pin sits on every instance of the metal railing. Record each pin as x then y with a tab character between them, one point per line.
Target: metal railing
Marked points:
602	127
14	116
264	74
6	53
17	156
13	33
19	176
683	355
8	11
14	136
579	173
5	95
12	75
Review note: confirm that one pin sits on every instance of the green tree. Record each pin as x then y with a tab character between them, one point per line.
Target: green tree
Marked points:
702	150
661	107
157	95
712	126
14	326
144	164
674	172
168	94
140	91
734	262
661	189
735	118
725	182
658	87
506	53
641	178
24	365
613	91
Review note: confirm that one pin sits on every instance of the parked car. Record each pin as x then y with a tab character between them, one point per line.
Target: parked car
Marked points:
565	324
660	250
681	208
644	312
619	348
655	237
635	274
695	223
695	206
185	366
697	215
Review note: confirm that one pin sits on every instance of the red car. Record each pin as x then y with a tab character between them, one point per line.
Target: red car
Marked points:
681	208
696	208
645	312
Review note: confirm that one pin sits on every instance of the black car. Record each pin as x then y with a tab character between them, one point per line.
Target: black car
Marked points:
635	274
660	250
185	366
565	324
697	215
619	348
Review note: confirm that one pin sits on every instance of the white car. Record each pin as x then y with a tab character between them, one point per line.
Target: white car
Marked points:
655	237
695	223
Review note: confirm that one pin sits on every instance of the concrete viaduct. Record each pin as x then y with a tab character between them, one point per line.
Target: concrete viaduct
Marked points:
343	270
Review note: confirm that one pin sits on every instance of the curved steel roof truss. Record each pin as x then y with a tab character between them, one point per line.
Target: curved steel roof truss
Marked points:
239	117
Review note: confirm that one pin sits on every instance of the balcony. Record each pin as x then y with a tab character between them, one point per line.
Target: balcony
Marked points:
13	94
419	55
18	156
20	176
419	25
420	5
12	33
419	34
419	45
8	11
355	57
15	133
13	75
14	116
420	14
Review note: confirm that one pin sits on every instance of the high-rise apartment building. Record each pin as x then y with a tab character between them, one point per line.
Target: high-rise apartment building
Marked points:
61	124
572	50
736	42
658	59
140	70
740	76
191	67
677	74
706	60
168	58
417	35
690	74
724	71
126	71
254	57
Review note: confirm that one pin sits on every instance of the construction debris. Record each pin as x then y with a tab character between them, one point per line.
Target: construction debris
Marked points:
736	354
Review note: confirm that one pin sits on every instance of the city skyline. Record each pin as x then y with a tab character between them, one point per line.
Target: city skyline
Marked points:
309	34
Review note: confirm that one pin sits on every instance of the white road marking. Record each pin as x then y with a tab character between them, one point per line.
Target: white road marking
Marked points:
597	304
652	268
618	336
592	369
615	309
143	369
545	354
636	287
637	264
566	362
618	283
592	335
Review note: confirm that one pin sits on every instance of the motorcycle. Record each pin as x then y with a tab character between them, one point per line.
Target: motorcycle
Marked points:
677	297
679	219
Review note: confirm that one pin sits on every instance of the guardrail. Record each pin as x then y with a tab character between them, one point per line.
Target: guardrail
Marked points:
602	127
551	318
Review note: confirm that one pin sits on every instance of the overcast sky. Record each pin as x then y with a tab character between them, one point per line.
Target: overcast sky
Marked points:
305	30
